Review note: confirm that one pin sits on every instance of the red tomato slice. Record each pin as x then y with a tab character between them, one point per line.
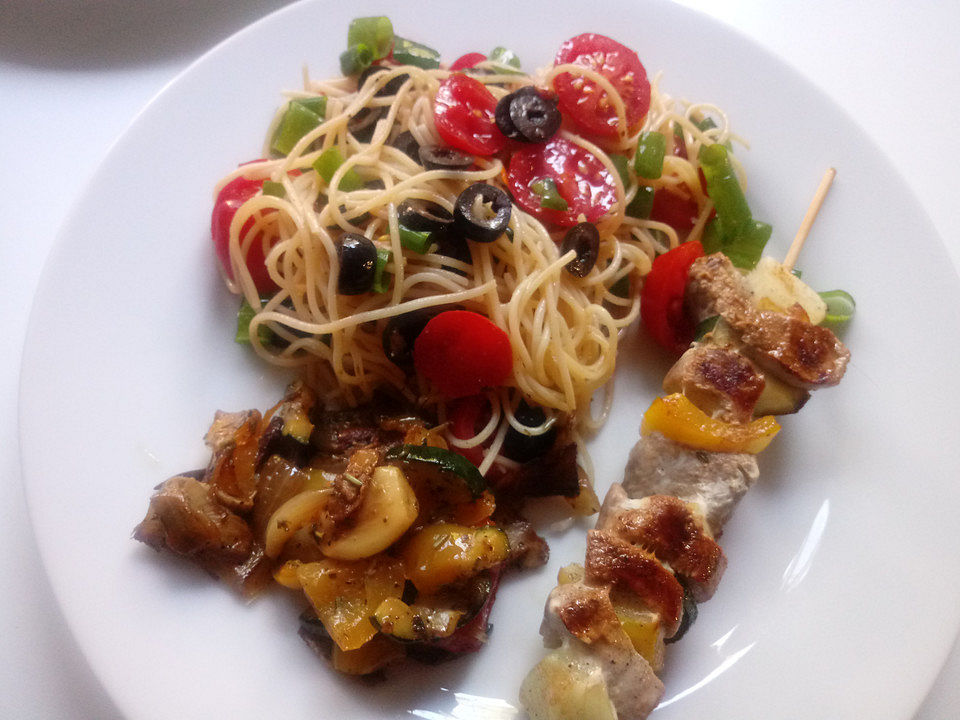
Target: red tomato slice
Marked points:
584	102
464	114
234	194
462	353
467	61
661	300
581	179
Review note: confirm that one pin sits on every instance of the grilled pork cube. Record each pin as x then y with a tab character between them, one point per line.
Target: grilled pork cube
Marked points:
595	674
672	531
718	380
715	481
610	560
787	345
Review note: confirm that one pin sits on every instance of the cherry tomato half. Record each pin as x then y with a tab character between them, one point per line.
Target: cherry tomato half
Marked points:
464	114
661	300
464	414
678	211
234	194
584	102
462	353
467	61
581	180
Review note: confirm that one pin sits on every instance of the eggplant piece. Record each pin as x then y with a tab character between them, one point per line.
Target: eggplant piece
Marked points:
186	517
554	473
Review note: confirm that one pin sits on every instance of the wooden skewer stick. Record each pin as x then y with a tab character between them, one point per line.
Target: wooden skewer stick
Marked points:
808	219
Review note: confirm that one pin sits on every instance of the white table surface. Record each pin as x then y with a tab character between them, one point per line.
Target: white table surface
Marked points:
73	73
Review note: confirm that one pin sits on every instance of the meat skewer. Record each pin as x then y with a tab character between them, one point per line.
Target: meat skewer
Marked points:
653	554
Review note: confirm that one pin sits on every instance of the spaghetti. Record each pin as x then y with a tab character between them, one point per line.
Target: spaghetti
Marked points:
563	330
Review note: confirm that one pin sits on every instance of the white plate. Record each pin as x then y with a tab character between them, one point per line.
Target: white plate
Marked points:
841	598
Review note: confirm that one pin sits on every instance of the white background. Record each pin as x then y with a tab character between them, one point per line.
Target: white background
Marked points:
73	73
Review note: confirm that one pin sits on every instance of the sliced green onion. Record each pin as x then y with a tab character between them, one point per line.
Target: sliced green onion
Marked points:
745	248
705	326
354	60
408	52
723	186
298	119
648	160
733	231
317	104
274	189
503	56
642	203
710	239
375	32
840	306
622	164
550	197
381	278
327	165
368	39
796	272
418	241
245	314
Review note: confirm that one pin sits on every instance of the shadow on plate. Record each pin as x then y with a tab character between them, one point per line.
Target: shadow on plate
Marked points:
97	34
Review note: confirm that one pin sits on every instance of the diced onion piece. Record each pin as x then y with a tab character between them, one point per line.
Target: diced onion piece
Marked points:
772	281
302	509
568	684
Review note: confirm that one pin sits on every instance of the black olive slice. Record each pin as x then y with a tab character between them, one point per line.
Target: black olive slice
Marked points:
523	448
358	258
475	219
408	145
392	87
501	115
440	157
528	115
584	238
401	332
423	216
536	118
364	123
452	244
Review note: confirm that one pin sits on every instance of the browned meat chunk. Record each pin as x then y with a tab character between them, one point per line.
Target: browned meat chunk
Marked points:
612	560
713	480
527	549
666	526
186	517
800	354
585	612
718	380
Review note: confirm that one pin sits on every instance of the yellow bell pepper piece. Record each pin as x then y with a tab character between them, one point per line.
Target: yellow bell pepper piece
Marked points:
680	420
